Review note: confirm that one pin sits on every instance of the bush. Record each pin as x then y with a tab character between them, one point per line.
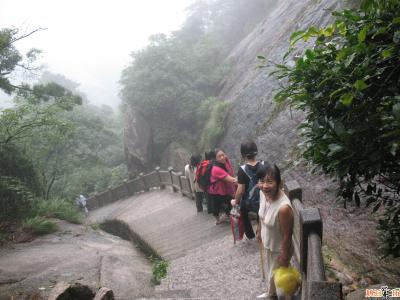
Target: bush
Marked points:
39	225
159	268
348	87
57	208
15	198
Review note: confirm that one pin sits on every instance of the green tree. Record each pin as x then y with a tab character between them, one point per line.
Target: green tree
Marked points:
348	86
86	156
11	59
166	83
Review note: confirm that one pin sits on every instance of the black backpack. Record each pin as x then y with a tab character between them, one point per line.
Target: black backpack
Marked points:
251	198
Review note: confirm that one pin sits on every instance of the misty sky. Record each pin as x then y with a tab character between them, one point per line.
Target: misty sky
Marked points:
90	41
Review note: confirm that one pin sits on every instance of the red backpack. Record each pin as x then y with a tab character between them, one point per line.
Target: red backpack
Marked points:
203	174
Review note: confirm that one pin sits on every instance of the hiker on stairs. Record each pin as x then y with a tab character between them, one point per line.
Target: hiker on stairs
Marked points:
190	172
222	185
248	194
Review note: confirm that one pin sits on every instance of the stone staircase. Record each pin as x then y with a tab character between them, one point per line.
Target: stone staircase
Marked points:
162	223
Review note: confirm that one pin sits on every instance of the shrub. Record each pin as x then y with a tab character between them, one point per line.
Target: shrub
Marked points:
57	208
159	268
15	198
39	225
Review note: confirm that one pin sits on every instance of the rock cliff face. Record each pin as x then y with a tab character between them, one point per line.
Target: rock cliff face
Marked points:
349	234
175	155
250	90
137	142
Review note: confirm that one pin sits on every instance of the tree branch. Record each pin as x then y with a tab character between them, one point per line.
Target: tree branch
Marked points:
21	37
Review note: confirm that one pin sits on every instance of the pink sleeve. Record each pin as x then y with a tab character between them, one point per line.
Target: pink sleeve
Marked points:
218	173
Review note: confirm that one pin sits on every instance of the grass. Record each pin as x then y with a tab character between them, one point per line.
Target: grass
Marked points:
39	225
58	208
159	269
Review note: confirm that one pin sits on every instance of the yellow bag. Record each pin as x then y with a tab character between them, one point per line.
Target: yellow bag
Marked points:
287	280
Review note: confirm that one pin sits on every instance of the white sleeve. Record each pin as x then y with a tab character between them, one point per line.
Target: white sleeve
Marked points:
262	205
187	171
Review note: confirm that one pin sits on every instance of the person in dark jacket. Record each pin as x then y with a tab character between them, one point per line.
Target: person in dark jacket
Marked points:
249	151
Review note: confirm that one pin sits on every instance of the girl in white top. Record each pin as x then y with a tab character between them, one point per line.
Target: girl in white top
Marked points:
190	172
275	224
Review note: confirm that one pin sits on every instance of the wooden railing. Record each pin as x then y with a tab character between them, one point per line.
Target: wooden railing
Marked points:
144	182
307	242
307	231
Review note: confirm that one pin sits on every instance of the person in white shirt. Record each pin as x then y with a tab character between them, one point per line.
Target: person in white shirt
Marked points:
81	202
275	226
190	172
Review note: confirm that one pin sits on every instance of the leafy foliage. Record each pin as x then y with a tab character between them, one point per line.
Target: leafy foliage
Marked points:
15	197
159	269
34	110
39	225
10	58
57	208
348	86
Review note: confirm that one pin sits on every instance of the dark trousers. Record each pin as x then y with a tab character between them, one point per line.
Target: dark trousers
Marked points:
209	202
248	228
221	201
199	201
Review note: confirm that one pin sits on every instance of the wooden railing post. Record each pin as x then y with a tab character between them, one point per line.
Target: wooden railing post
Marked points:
126	185
109	194
170	169
162	186
146	188
96	199
293	190
310	221
179	174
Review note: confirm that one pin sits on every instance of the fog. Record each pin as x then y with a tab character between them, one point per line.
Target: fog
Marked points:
90	41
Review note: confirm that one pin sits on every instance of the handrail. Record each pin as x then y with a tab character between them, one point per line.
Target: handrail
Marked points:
307	231
307	242
315	269
142	183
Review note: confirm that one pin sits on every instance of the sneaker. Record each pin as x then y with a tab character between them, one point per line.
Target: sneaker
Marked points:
265	296
249	239
262	296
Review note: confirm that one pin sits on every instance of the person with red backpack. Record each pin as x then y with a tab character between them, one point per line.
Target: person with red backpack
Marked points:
222	185
203	175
